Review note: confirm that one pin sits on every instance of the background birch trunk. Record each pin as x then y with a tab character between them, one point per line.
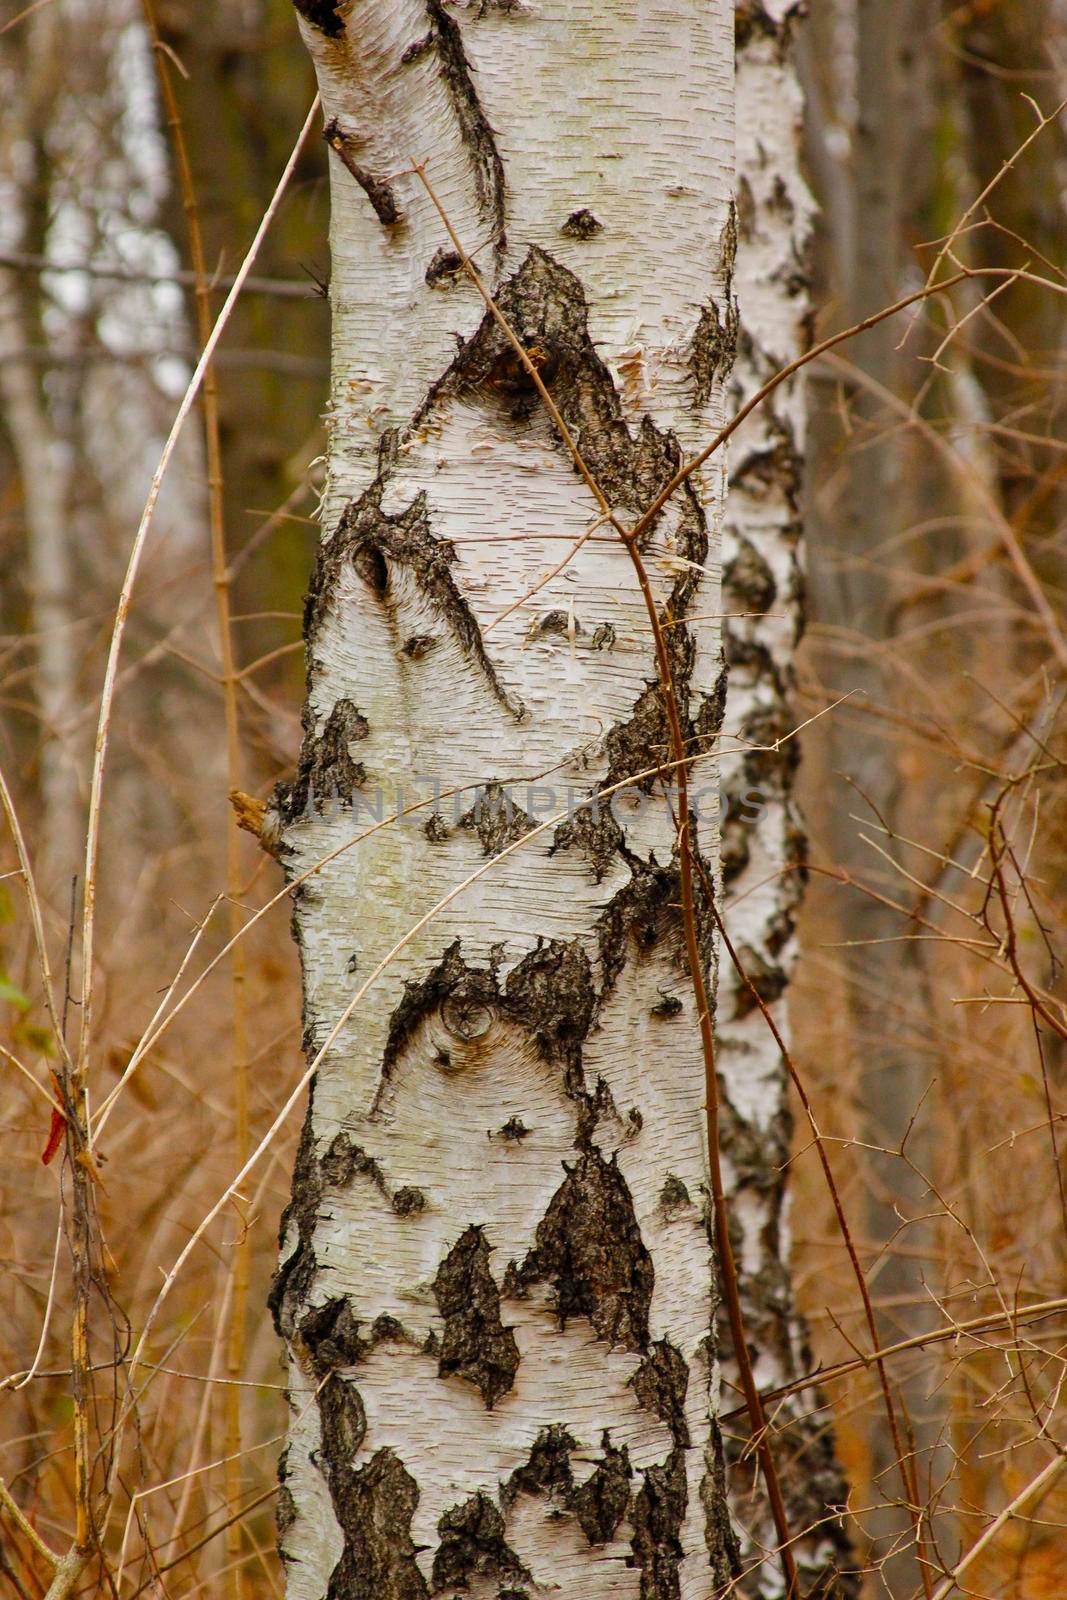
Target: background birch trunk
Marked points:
496	1279
763	844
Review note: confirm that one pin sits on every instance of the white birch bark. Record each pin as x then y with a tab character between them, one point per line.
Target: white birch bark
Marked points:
496	1281
763	838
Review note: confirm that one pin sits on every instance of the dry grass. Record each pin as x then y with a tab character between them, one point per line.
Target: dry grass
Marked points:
971	721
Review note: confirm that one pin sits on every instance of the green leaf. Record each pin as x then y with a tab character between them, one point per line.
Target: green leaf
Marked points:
12	993
37	1038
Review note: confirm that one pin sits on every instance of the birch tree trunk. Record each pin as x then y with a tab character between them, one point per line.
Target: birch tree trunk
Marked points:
496	1280
763	844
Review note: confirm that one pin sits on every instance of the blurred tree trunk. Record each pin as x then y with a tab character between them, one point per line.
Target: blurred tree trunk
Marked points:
43	458
89	364
496	1280
872	81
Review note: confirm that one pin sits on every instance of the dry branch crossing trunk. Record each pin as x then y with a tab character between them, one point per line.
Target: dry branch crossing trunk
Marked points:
496	1280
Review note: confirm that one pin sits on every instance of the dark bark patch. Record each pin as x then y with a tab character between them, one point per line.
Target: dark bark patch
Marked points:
345	1161
674	1194
327	773
344	1428
714	348
603	1499
582	224
473	1546
551	991
477	135
753	17
594	832
661	1383
331	1336
378	190
643	912
545	306
724	1556
558	622
374	541
476	1346
548	1470
424	997
326	15
514	1131
374	1506
496	819
768	980
640	742
589	1247
295	1275
734	852
417	49
658	1514
444	269
285	1512
748	581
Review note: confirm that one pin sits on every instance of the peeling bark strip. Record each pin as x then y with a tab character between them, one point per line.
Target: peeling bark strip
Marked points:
495	1284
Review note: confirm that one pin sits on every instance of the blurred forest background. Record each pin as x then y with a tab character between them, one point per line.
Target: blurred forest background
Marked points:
928	1011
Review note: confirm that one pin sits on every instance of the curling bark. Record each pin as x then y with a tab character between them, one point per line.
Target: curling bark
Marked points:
497	1284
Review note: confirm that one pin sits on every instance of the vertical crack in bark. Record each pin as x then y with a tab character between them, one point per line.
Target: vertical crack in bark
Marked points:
475	1345
478	137
589	1246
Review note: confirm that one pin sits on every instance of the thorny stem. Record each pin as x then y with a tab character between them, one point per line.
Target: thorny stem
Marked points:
220	578
724	1249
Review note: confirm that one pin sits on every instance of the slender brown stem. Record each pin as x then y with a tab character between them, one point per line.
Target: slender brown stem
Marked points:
905	1459
220	578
